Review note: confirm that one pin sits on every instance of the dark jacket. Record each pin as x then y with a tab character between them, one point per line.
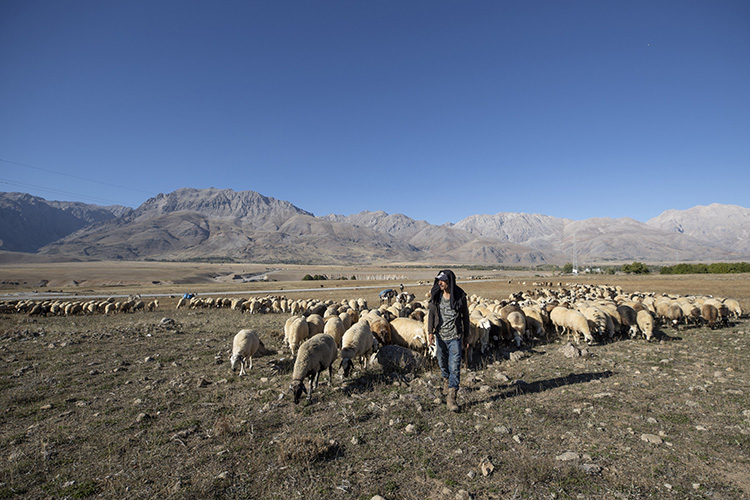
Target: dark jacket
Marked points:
459	303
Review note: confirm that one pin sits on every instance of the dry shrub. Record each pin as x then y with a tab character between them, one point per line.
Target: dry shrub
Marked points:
307	449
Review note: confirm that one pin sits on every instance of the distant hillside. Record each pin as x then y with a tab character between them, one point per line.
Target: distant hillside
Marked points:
28	222
247	226
725	225
596	239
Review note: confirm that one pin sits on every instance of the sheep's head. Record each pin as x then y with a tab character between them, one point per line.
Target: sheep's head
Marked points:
297	388
234	361
346	364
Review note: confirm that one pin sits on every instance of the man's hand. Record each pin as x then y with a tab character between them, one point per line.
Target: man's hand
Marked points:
430	339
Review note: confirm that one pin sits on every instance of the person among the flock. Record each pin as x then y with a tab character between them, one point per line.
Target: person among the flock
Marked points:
447	328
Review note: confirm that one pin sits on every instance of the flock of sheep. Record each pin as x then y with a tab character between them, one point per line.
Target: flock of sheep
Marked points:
318	333
59	307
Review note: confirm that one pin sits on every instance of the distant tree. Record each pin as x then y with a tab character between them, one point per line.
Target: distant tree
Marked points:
635	268
568	268
353	277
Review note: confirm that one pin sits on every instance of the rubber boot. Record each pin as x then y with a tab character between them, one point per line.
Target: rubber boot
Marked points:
452	406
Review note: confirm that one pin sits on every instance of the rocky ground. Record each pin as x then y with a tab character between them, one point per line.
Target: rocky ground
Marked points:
135	406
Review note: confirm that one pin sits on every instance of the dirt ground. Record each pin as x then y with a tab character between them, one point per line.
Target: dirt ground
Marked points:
136	406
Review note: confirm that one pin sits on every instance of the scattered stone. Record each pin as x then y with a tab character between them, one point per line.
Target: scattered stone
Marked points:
668	486
46	407
377	497
501	429
484	388
223	475
149	359
602	395
651	420
590	468
696	486
502	377
486	466
143	416
409	428
651	438
463	495
518	355
517	438
203	382
568	456
355	441
570	351
471	474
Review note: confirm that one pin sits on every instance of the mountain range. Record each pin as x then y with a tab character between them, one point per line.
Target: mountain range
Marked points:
247	226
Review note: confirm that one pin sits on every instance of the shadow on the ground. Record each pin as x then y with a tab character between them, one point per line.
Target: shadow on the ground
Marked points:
520	387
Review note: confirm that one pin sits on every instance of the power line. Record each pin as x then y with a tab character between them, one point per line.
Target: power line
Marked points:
59	191
78	177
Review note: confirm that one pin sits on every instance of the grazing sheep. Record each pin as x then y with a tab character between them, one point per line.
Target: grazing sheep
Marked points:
153	305
629	319
315	355
357	343
315	323
346	320
335	328
478	334
734	307
380	328
645	323
517	322
245	344
410	333
709	313
557	317
675	315
394	359
577	324
598	323
534	321
296	331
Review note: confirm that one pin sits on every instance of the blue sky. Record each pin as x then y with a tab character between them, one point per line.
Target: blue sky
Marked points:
434	109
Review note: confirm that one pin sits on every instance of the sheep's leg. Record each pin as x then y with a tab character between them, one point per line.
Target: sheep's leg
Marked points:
242	367
313	381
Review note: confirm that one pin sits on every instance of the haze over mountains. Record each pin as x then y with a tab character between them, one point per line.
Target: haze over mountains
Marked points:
247	226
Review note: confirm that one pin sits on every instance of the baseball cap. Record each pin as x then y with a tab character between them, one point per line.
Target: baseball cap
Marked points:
442	276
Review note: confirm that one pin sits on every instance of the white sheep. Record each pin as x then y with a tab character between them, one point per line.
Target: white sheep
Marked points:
315	355
335	328
517	322
245	344
410	333
645	323
315	324
577	324
357	343
296	331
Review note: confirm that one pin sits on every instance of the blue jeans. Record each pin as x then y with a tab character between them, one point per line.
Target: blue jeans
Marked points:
449	359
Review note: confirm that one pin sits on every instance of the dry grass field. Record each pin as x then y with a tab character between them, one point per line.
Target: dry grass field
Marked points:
130	406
